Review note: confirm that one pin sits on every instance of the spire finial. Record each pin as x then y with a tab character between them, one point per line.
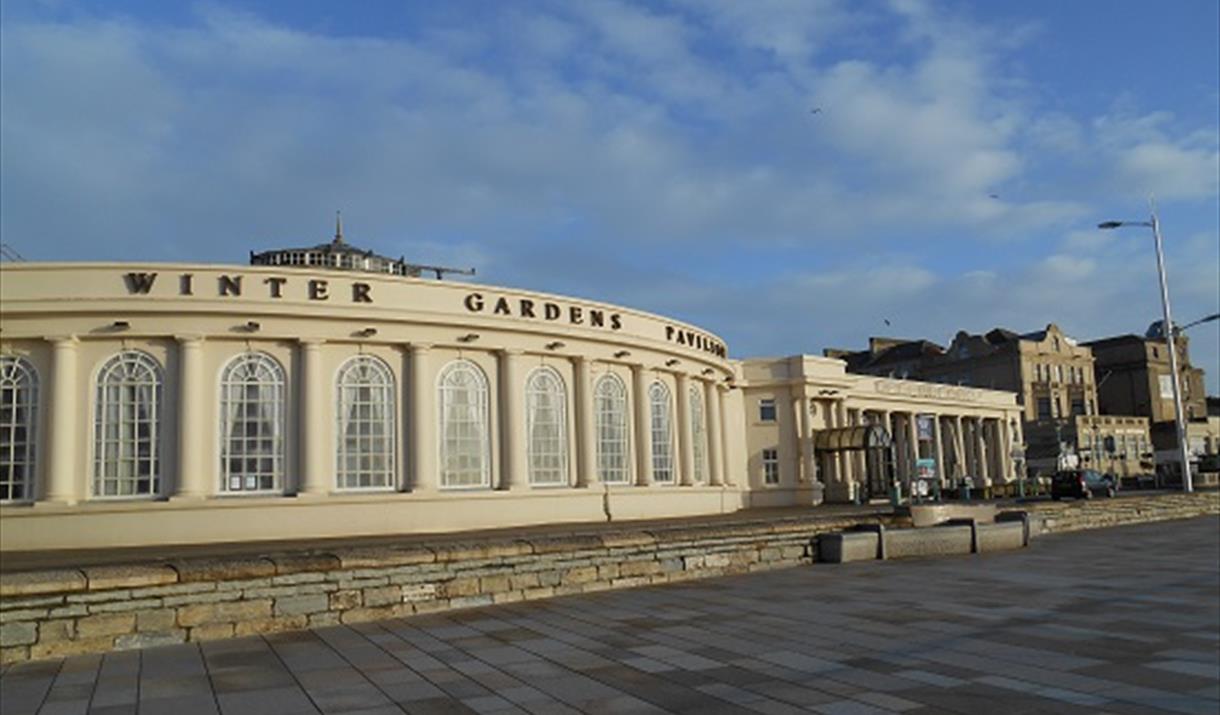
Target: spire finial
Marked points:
338	227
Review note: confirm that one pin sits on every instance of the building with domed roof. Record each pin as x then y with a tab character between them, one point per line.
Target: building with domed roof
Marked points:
332	392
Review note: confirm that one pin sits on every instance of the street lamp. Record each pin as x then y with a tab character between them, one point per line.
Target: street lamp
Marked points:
1179	415
1182	328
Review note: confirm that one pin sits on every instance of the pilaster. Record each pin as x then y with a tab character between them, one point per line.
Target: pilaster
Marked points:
193	471
686	439
62	482
586	429
643	426
422	420
514	460
314	448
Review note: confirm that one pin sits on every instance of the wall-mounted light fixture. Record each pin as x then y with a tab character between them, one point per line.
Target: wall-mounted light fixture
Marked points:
367	332
252	326
708	371
554	345
622	353
468	338
671	362
120	325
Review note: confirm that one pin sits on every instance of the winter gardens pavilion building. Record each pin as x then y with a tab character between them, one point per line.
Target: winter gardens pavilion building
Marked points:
328	392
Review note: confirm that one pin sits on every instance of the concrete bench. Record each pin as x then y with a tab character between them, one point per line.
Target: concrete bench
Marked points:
1011	530
847	546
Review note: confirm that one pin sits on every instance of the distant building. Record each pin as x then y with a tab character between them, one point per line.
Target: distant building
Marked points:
1134	378
1052	375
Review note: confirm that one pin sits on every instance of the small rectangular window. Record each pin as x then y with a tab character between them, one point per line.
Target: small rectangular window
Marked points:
1044	408
770	460
766	410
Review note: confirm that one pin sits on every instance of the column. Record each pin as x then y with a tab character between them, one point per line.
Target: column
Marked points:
887	421
970	434
961	463
912	433
984	454
422	420
729	479
63	432
715	444
808	465
830	459
846	473
193	471
643	426
1005	449
314	465
585	423
857	457
514	460
939	446
686	440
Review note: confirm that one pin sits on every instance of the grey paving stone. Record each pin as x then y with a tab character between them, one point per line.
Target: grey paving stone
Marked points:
268	701
1066	626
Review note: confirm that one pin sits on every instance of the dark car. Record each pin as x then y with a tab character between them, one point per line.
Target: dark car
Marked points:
1082	484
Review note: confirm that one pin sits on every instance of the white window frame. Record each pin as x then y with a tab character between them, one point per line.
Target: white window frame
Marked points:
19	394
613	436
366	445
764	404
476	429
661	424
770	465
127	418
267	383
546	428
698	433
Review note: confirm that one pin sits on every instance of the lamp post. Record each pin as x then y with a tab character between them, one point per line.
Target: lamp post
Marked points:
1179	416
1182	328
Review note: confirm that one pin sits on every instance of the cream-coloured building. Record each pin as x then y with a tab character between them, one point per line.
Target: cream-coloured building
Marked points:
815	431
328	395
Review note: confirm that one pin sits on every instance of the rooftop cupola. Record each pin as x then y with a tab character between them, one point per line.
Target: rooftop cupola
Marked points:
340	255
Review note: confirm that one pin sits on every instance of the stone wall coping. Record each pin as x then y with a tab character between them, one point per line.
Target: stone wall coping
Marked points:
458	548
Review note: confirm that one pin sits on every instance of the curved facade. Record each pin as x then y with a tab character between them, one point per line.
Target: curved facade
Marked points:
186	404
153	404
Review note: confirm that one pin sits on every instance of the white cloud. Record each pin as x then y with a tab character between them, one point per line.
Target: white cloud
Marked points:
664	156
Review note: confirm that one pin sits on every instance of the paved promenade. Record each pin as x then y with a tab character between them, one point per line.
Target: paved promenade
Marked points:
1122	620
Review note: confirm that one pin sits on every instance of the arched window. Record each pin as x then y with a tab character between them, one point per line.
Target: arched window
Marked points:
364	453
252	397
18	421
127	427
546	428
464	442
611	407
698	432
662	440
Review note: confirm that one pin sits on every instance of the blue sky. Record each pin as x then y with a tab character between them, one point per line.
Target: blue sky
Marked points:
662	155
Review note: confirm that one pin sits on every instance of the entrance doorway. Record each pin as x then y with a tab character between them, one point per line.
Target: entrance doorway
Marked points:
878	451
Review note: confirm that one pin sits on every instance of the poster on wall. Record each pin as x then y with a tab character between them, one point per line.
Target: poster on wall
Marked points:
1166	387
924	427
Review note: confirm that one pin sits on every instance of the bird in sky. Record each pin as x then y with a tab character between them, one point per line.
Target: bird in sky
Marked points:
994	196
815	110
887	321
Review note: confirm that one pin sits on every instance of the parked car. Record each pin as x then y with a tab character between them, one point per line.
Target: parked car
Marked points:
1082	484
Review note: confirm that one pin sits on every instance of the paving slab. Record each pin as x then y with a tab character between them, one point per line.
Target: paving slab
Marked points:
1118	620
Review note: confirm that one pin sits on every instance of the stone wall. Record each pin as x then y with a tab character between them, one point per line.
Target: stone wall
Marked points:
1074	515
47	614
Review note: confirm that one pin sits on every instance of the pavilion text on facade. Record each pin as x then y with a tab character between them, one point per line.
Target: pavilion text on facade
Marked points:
162	404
